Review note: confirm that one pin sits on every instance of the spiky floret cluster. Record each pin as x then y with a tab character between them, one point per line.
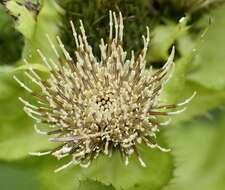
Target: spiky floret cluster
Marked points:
100	106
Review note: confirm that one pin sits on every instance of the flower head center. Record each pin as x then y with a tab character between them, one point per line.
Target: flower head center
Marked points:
104	103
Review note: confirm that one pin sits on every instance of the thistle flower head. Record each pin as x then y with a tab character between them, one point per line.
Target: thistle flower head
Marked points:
99	106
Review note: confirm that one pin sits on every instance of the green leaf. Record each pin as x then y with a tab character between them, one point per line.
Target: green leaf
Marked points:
17	135
177	83
200	154
16	128
111	171
205	100
26	21
35	28
89	184
17	176
164	36
211	56
180	88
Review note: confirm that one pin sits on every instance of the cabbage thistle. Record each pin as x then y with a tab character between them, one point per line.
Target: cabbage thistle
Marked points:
96	106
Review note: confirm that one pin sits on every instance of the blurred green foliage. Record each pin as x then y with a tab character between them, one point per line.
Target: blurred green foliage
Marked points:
199	152
196	136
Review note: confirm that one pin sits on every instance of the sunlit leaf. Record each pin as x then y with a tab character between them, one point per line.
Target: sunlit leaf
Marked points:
26	22
35	28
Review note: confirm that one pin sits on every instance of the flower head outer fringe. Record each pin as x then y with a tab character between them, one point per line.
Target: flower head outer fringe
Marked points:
99	106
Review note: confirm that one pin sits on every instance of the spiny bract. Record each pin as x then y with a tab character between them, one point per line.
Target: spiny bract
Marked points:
99	106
